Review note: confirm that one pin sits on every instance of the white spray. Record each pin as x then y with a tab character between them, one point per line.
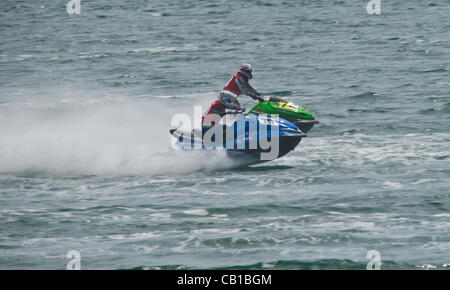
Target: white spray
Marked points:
78	136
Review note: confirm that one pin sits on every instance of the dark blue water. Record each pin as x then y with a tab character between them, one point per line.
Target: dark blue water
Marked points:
85	162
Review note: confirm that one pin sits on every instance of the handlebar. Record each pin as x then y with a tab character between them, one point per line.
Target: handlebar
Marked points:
236	112
258	97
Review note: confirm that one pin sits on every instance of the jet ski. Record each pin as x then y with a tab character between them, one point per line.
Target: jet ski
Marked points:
245	138
295	114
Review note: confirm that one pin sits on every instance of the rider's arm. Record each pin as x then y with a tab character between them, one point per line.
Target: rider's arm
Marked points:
217	110
235	111
251	91
246	88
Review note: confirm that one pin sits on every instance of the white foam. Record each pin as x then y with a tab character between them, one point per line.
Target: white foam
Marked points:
201	212
161	215
442	215
156	50
360	149
102	136
393	185
146	249
426	266
220	216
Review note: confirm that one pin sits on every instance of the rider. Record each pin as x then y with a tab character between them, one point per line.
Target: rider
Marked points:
239	84
226	100
226	103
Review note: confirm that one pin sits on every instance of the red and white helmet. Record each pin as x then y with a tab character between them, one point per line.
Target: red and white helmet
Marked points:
247	70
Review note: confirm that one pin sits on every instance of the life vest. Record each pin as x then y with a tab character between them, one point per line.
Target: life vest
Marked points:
233	87
216	108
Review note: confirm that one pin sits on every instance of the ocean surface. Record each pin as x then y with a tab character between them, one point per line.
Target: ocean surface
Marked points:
86	163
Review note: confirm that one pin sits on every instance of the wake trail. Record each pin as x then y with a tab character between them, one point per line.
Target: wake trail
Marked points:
109	137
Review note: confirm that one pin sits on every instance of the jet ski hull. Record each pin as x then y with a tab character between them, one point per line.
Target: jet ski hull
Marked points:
295	114
303	125
289	136
253	156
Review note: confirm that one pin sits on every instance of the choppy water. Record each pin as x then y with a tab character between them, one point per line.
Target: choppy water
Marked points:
86	100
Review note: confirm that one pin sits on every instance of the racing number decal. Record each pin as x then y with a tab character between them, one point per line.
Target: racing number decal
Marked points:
287	105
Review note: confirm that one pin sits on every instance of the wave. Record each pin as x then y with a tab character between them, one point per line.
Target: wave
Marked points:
158	50
359	149
320	264
375	110
366	95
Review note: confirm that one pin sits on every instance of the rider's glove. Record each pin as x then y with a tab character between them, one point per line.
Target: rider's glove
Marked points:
259	97
240	111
